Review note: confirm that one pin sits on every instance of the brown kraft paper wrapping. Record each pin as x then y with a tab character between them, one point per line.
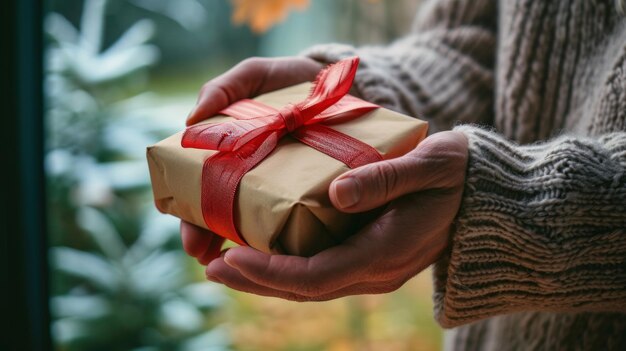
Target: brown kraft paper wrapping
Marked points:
282	205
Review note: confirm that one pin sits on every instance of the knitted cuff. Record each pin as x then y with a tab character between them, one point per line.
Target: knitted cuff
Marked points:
541	228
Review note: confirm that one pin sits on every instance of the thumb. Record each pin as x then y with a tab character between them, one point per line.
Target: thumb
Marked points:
438	162
376	184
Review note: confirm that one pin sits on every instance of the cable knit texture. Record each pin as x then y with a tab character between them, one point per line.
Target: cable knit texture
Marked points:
538	254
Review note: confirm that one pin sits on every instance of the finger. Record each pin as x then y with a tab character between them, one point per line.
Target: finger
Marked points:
195	240
238	83
376	184
218	271
368	262
213	251
366	288
249	78
308	276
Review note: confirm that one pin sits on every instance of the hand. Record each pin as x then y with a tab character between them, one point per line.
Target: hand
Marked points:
249	78
423	189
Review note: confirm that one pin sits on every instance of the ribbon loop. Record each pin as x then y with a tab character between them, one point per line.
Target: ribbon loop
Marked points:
256	130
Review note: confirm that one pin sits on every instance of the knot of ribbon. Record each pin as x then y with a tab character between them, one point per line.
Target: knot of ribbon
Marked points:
292	117
256	129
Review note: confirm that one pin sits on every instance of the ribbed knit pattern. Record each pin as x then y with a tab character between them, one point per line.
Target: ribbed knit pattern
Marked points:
538	254
542	228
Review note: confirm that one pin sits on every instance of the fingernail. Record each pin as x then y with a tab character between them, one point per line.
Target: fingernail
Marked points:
228	260
347	192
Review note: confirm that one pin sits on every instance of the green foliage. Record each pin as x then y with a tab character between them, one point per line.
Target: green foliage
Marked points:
119	297
120	280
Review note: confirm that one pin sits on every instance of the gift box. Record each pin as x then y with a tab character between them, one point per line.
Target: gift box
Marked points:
261	178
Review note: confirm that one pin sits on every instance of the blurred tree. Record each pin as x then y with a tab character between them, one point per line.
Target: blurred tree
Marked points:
120	280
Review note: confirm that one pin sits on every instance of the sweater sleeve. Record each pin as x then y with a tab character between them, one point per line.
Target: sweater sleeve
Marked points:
442	71
541	228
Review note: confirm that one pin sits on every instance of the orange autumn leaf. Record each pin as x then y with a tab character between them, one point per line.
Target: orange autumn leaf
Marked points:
261	15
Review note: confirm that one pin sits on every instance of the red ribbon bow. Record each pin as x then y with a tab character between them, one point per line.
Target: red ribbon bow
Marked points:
256	130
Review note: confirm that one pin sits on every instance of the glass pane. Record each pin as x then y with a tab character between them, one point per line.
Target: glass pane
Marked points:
123	74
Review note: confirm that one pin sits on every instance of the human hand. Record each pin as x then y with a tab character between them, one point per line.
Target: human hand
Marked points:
423	189
249	78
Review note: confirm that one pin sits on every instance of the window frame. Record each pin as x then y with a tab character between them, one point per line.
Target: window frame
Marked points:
23	246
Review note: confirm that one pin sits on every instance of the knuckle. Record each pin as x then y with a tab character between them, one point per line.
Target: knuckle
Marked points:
212	88
194	248
253	61
206	87
229	92
222	91
384	176
442	158
444	149
190	249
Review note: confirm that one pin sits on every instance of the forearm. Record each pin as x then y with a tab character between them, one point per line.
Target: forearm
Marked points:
541	227
442	71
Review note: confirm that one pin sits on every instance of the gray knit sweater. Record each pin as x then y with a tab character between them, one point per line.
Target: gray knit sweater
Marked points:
538	256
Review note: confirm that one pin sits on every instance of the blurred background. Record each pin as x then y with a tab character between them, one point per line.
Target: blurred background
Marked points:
121	75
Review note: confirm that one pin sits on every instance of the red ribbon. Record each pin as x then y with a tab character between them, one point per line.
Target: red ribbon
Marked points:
256	130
